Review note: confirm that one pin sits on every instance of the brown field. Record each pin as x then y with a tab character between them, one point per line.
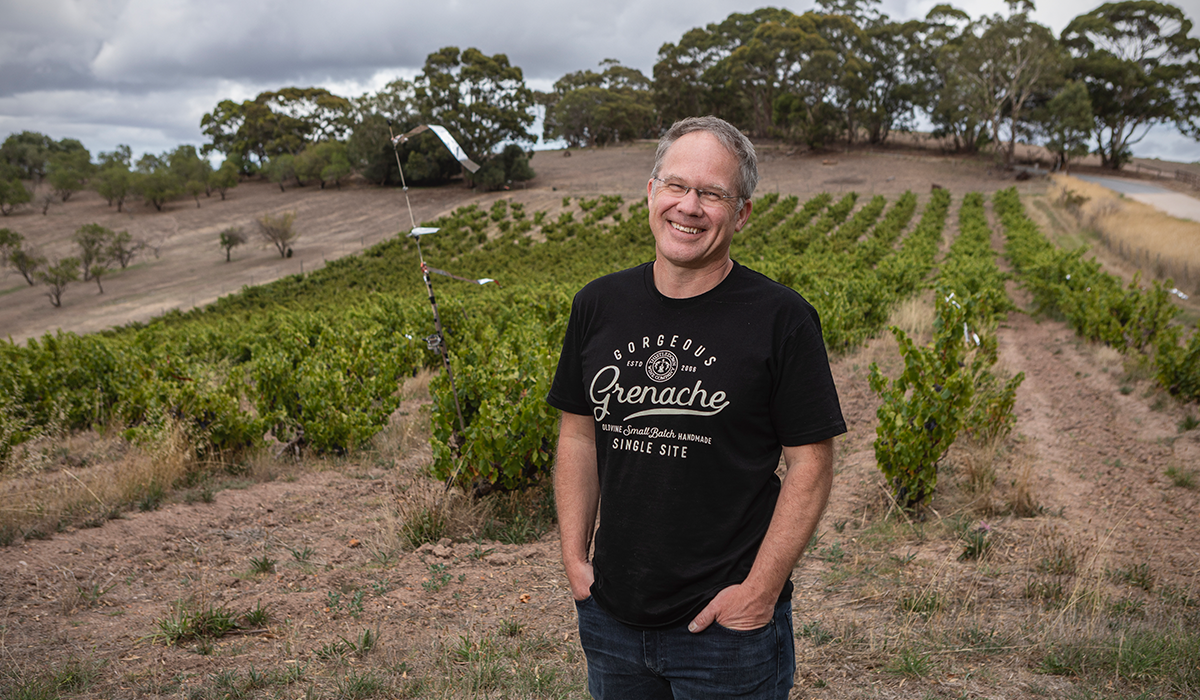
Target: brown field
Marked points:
1161	246
1091	505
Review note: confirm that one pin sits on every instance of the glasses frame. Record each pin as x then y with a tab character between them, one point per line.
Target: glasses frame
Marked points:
701	193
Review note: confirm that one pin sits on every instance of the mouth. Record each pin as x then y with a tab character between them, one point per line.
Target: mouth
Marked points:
684	229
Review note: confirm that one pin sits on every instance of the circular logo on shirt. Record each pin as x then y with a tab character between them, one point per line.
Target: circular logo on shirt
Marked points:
662	365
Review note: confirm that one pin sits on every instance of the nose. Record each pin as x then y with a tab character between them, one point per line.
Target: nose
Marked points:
689	203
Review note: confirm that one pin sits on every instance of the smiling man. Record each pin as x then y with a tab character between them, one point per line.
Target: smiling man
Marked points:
682	381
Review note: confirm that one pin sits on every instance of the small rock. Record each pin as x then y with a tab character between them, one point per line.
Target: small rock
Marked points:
500	559
445	542
441	551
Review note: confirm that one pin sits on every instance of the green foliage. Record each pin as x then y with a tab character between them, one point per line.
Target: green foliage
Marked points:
274	123
57	276
231	238
922	409
9	241
437	579
262	564
947	386
1164	660
155	183
70	677
29	153
324	162
482	100
224	178
504	362
188	621
508	166
68	171
12	195
1067	123
1140	67
318	358
596	109
1098	305
114	183
280	168
93	241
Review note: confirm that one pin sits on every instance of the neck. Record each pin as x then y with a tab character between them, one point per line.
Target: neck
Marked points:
683	283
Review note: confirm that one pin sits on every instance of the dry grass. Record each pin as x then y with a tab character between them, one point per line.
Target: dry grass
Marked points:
54	488
1021	501
1162	246
407	430
915	316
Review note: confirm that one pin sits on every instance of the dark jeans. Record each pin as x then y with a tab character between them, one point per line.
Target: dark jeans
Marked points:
674	664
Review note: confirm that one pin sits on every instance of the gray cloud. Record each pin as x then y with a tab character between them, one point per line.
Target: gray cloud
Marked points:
143	72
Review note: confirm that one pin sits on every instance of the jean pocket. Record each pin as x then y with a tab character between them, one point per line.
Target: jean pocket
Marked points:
744	633
581	603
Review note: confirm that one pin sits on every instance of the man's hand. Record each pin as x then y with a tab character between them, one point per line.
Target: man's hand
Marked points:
750	604
581	576
737	608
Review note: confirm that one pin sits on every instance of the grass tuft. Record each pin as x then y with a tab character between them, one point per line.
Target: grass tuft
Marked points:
1183	478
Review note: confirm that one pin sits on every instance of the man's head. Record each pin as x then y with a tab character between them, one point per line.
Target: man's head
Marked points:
746	178
699	196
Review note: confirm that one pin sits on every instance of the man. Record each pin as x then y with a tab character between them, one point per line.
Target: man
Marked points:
681	381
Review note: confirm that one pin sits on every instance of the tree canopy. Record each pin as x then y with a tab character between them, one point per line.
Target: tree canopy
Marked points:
1141	68
595	109
482	100
841	72
275	123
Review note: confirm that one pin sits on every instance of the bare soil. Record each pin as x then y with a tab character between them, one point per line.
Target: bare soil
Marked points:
1092	443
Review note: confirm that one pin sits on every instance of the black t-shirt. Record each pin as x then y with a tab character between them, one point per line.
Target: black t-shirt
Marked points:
693	399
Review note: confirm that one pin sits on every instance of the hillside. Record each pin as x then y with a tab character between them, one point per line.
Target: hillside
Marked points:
1090	571
185	267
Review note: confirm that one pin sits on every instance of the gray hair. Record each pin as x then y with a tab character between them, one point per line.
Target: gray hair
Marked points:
733	140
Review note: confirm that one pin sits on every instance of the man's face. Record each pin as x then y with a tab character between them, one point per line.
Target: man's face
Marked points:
689	233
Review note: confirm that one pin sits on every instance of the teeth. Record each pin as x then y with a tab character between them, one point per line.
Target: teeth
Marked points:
686	229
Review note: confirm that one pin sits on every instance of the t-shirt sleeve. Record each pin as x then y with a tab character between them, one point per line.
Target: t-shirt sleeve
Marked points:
566	392
805	407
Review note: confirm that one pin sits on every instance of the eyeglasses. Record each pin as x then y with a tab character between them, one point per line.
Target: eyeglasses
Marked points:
680	191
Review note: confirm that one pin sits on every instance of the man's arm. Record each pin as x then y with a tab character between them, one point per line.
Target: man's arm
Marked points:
577	496
750	604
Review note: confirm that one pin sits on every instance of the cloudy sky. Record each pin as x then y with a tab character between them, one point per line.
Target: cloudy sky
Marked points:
143	72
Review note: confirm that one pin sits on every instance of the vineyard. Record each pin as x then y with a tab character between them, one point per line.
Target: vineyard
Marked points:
315	361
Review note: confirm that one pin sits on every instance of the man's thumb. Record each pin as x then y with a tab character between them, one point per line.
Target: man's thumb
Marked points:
703	620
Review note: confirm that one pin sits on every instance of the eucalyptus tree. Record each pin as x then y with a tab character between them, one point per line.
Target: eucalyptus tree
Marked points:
1066	123
275	123
588	108
113	179
1141	68
482	100
695	76
999	64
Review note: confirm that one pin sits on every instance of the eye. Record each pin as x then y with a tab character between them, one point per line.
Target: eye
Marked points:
710	197
677	189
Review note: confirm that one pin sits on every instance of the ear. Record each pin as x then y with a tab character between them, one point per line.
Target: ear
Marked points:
743	216
649	191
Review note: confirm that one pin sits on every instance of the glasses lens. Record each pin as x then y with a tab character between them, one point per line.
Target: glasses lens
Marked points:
676	189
